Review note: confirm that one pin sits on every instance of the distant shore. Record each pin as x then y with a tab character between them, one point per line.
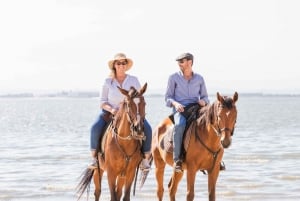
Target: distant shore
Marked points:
95	94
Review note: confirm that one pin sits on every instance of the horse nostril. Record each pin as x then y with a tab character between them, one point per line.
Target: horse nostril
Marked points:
225	143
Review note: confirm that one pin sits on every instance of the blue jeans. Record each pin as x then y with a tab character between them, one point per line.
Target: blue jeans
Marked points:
98	127
146	144
97	131
180	123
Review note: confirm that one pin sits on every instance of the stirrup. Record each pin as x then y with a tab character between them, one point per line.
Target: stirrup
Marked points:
93	165
144	166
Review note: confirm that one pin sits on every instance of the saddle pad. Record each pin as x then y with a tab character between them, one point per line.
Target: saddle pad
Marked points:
167	142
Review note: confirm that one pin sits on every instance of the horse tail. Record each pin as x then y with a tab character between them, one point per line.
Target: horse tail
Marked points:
85	181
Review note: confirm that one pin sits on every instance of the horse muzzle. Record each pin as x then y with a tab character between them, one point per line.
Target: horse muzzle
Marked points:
226	143
138	132
226	140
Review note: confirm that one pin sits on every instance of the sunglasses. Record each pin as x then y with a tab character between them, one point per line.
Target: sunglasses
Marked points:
121	63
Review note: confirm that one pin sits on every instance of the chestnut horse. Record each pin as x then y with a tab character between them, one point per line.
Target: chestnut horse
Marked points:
121	145
208	135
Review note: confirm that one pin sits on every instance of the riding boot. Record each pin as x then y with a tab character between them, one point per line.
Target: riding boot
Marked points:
177	139
178	166
94	163
145	166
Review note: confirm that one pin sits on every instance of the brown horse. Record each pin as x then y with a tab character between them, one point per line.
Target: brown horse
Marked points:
121	145
204	145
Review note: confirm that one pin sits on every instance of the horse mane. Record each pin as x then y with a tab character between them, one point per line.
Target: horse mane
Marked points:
207	114
133	92
118	115
228	102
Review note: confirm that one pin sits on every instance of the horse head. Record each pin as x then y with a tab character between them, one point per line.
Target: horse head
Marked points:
135	104
226	117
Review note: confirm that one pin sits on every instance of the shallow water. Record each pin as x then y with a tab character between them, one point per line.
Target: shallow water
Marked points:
44	145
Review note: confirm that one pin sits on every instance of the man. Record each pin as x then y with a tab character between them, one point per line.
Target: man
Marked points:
184	87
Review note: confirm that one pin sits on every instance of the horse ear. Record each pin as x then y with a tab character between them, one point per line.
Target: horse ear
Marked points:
123	91
235	97
220	98
143	89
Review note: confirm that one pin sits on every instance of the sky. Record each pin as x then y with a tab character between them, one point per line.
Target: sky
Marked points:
238	45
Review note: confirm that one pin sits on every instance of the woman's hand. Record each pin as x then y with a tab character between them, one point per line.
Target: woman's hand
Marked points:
114	111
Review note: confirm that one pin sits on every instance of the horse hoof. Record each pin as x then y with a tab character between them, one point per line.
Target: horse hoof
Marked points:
222	166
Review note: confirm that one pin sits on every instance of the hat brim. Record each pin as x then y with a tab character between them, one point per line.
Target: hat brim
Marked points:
128	66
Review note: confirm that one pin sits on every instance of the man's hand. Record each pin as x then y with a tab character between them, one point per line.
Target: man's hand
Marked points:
178	107
202	103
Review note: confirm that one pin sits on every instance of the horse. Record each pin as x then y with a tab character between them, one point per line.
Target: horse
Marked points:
122	149
205	139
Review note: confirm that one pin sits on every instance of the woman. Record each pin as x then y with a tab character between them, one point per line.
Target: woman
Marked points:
111	97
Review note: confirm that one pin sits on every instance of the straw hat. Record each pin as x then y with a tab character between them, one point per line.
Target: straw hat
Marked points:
120	56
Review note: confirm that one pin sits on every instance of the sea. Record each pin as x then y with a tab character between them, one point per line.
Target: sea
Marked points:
44	148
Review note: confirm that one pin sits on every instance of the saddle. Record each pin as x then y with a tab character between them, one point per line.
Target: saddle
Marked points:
191	113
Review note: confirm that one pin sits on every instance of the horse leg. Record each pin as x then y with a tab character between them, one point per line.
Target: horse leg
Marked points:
190	180
212	180
97	182
130	175
159	174
173	184
119	187
111	177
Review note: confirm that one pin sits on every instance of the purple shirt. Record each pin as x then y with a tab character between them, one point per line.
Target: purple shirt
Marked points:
185	91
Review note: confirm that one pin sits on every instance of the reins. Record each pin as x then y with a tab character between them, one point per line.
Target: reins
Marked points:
218	131
214	153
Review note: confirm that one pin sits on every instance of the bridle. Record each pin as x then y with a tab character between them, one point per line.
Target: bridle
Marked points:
135	128
219	130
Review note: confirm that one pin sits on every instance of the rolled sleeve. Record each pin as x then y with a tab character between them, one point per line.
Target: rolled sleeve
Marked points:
203	92
104	93
169	96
